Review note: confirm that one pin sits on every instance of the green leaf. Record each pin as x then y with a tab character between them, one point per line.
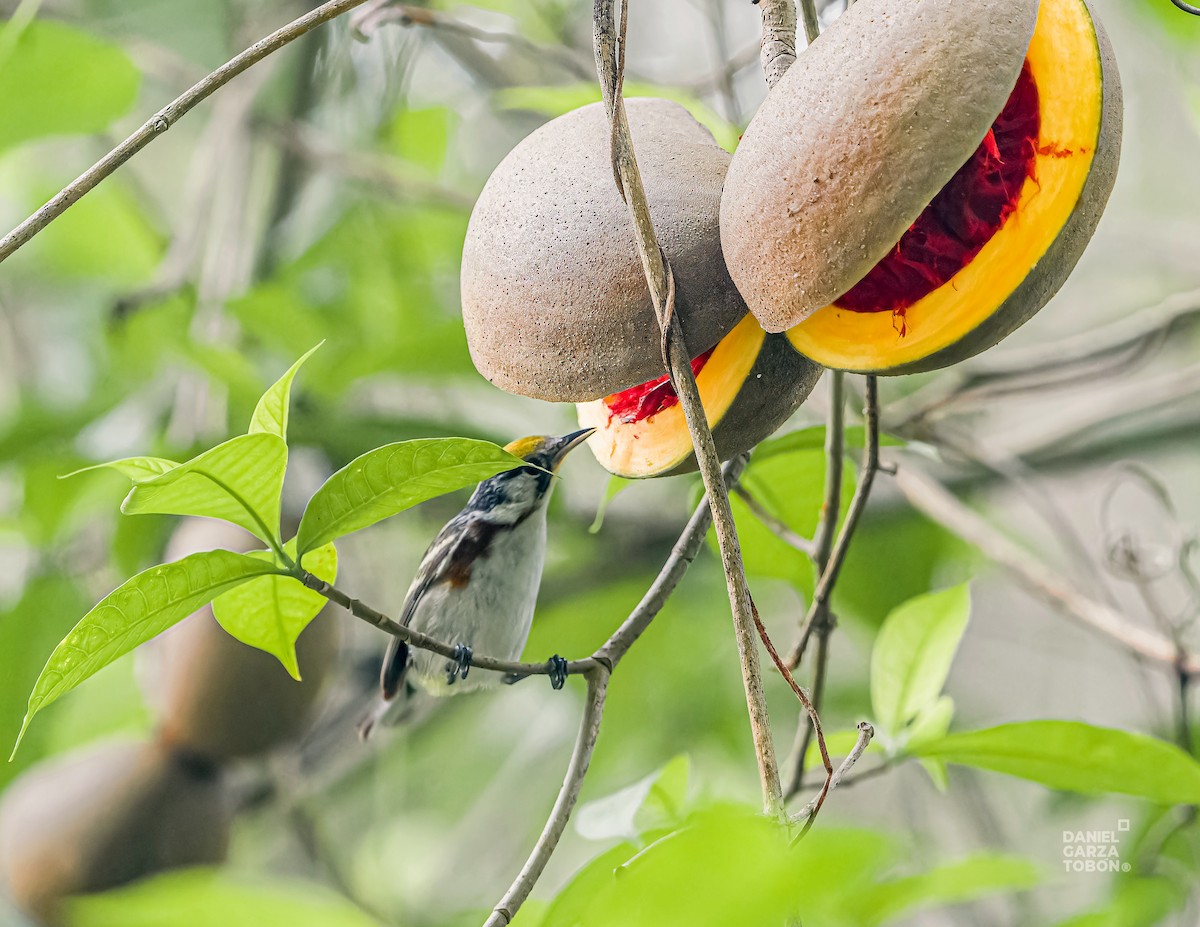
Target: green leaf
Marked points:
1076	757
1136	902
29	630
932	723
271	413
616	485
395	477
573	903
651	803
40	95
238	481
270	612
137	610
913	652
955	883
209	897
138	469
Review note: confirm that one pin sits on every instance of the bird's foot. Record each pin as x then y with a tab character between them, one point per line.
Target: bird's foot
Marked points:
460	666
558	671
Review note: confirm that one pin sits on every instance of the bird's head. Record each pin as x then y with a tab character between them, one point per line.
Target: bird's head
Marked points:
547	451
508	497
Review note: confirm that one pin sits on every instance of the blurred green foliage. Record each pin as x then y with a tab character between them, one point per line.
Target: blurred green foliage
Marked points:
151	317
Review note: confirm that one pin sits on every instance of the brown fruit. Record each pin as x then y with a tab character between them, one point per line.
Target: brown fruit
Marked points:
554	299
924	179
106	815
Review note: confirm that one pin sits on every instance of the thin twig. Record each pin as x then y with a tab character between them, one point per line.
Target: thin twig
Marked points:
610	56
556	823
931	498
404	14
858	503
821	625
808	15
775	525
809	708
166	117
809	812
778	49
1136	334
605	659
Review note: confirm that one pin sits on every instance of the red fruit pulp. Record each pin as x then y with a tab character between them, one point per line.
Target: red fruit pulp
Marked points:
963	216
641	402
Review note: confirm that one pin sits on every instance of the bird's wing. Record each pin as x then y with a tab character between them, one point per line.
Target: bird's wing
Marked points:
450	558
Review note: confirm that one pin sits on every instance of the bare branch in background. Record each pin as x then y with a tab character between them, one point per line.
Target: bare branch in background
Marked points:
383	12
610	57
161	121
1116	346
931	498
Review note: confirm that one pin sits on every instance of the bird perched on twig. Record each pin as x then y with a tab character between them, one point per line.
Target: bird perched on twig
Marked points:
478	582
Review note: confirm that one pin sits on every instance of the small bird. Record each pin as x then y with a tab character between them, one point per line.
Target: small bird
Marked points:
477	584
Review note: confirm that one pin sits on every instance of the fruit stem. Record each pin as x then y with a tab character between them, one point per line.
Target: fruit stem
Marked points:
610	47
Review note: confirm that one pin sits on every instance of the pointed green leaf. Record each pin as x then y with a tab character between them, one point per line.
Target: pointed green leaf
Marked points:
954	883
813	439
238	481
199	897
271	413
395	477
913	652
653	802
137	610
138	469
270	612
932	722
1076	757
616	485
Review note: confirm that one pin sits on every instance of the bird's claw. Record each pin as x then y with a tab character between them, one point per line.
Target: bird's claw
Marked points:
461	665
557	671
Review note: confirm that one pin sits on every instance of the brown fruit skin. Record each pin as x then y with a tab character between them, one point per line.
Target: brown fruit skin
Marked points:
217	697
554	299
778	384
106	815
1060	259
856	140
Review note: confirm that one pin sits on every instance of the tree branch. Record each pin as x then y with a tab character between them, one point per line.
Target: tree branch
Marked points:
581	757
604	660
610	55
858	503
934	501
158	124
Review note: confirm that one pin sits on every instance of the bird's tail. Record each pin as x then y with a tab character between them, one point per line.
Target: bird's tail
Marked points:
391	683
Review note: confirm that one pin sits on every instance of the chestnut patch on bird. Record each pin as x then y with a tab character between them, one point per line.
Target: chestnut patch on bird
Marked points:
648	399
966	213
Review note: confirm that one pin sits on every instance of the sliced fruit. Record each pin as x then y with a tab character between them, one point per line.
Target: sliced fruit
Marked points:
104	816
750	383
554	299
953	264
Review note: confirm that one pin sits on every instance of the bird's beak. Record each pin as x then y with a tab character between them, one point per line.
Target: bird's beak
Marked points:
561	447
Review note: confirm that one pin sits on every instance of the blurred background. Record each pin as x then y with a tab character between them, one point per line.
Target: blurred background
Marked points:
325	195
